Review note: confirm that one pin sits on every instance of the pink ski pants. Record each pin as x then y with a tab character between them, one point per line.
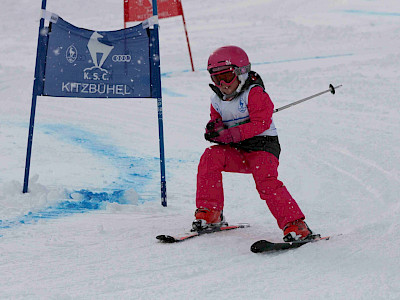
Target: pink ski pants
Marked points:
264	168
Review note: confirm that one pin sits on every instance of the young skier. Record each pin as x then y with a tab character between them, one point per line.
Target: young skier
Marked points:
242	126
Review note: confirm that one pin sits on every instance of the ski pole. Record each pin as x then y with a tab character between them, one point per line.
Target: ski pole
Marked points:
332	89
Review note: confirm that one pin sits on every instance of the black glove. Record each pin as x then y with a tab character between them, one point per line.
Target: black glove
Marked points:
213	128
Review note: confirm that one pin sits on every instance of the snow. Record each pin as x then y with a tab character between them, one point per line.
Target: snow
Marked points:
86	229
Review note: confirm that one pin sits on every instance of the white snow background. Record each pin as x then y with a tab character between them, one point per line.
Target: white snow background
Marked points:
86	229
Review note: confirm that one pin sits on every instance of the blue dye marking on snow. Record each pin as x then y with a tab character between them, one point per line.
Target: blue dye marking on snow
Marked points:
372	13
302	59
88	201
170	74
135	172
170	93
166	74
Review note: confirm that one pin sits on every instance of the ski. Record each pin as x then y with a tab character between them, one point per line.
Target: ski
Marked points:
266	246
180	238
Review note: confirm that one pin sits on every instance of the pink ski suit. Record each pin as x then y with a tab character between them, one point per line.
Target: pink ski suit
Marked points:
262	165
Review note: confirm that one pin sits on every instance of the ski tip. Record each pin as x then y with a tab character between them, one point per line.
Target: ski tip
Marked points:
259	246
165	238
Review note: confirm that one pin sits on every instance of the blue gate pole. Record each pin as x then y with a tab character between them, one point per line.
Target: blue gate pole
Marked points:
162	156
37	85
157	80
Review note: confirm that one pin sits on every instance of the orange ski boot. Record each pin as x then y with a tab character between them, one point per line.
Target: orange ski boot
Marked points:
208	218
296	231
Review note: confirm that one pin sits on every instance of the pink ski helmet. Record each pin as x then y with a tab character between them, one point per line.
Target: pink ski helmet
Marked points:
229	56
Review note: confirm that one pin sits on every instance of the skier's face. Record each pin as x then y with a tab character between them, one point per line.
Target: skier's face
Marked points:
229	89
225	79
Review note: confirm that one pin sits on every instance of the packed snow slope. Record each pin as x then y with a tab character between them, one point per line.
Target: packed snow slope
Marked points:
86	229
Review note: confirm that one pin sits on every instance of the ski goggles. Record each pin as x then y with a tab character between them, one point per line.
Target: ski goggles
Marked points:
226	76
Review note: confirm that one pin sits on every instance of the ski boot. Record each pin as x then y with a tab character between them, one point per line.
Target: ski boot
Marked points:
208	218
297	231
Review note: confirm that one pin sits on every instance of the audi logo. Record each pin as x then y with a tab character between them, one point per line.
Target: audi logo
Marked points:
121	58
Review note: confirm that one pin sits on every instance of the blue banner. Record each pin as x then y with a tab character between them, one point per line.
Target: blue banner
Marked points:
98	64
76	62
